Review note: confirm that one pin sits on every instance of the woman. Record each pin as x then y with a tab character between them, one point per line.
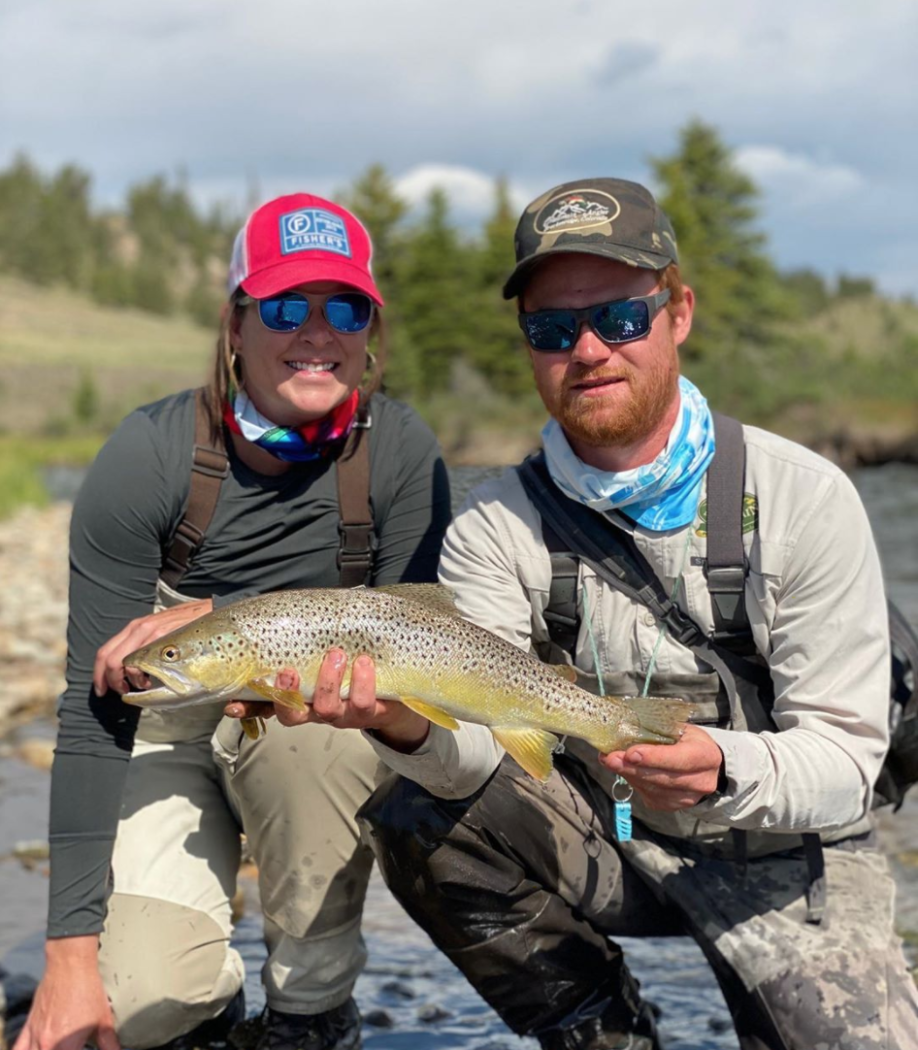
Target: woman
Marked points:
292	402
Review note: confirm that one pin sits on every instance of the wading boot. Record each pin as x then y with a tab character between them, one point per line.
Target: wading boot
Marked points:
594	1035
336	1029
214	1034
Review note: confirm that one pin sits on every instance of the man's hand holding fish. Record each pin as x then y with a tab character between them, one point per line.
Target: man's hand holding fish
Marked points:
671	778
396	725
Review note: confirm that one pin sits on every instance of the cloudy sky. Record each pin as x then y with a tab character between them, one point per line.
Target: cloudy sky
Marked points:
819	99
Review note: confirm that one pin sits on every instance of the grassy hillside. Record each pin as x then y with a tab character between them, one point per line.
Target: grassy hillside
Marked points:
53	342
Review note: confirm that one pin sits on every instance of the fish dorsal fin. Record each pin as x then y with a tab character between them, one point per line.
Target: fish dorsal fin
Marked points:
531	748
432	714
432	596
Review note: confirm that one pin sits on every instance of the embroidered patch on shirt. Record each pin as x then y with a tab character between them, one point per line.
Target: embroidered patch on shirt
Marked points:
311	229
750	515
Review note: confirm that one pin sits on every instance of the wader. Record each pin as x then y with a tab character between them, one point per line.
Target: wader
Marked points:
194	782
525	886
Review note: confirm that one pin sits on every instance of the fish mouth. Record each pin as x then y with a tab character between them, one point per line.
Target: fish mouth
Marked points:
169	689
173	688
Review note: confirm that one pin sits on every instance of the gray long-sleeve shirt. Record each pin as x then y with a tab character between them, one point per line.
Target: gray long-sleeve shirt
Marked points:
266	534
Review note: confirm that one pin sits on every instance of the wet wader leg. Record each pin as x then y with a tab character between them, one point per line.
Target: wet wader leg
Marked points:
790	983
165	954
483	877
296	791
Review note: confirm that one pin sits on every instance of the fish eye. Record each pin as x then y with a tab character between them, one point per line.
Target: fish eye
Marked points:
170	653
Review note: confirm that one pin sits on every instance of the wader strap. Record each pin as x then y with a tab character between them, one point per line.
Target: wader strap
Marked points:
817	890
727	565
210	465
614	557
562	615
905	658
355	529
612	554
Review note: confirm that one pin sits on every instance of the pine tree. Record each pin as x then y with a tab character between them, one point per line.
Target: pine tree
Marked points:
372	198
434	273
737	348
500	352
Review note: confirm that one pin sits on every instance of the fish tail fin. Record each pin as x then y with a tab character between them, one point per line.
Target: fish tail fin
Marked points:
658	719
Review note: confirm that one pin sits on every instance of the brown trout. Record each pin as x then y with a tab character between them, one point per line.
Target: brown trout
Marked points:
427	657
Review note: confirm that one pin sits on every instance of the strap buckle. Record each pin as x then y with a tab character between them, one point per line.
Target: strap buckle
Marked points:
210	461
185	541
355	545
726	579
365	423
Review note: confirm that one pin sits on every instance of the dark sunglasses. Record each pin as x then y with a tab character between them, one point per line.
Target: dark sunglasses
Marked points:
346	312
620	321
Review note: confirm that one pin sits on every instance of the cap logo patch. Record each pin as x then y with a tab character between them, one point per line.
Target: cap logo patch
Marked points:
311	229
577	210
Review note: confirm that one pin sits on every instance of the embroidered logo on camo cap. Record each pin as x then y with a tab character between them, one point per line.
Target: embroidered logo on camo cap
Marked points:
613	218
577	211
312	228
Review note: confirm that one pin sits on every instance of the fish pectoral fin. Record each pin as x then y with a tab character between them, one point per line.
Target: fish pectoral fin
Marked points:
432	714
565	671
284	697
253	727
531	748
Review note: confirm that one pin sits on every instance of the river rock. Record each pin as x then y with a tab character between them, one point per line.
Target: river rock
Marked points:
36	751
33	611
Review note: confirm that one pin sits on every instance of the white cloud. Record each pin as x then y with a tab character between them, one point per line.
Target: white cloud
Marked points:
817	97
800	181
470	192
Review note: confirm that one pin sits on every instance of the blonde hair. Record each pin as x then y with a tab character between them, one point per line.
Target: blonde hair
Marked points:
227	371
671	279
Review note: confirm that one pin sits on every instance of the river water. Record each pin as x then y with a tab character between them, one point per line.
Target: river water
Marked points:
411	997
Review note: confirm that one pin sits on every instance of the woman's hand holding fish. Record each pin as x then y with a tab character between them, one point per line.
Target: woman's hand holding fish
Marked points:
108	672
396	725
670	777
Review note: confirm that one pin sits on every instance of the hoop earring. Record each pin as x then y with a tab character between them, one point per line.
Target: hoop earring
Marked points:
235	369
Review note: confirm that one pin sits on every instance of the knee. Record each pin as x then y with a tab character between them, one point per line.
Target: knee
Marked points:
401	814
166	968
421	841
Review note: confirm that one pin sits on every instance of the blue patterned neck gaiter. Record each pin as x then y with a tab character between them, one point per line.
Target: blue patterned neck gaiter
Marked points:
659	495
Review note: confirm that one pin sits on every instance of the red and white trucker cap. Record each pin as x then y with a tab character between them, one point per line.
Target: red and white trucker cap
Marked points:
300	238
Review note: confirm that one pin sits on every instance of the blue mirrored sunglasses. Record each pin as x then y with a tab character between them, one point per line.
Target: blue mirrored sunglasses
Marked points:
346	312
620	321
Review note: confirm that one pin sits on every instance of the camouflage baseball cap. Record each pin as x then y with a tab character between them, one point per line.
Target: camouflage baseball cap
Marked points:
613	218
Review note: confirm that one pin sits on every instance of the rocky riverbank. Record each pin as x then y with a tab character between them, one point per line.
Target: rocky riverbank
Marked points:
33	612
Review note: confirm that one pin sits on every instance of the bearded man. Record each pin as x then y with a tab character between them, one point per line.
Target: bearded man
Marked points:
748	583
